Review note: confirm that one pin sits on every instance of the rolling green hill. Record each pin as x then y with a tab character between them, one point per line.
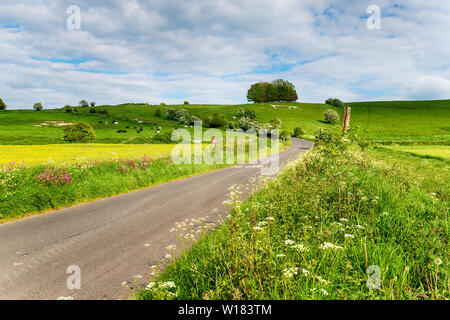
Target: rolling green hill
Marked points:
386	122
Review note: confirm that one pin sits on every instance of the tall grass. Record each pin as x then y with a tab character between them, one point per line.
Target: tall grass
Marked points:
315	232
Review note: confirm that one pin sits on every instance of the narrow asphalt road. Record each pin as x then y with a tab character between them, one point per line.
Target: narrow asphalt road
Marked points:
108	239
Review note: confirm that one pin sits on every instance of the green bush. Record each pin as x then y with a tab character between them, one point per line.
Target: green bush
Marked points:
164	138
285	135
162	104
83	103
194	119
80	131
92	110
186	102
217	120
331	116
298	132
38	106
158	113
102	111
93	104
249	114
240	113
2	105
171	114
68	109
335	102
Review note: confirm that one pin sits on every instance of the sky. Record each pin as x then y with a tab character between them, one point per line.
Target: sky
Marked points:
211	51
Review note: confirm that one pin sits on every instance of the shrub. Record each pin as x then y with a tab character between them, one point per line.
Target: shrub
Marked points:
93	104
249	114
2	105
162	104
331	116
240	113
284	135
335	102
217	120
246	124
80	131
186	102
158	113
193	119
38	106
92	110
164	138
298	132
68	109
171	114
83	103
103	111
276	124
183	116
331	140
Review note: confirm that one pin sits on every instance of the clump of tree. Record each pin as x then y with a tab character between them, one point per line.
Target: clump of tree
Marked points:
83	103
276	91
68	109
2	105
93	104
335	102
38	106
186	102
298	132
158	113
217	120
80	131
331	116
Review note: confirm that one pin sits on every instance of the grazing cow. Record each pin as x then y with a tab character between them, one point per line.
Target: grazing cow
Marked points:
127	127
159	128
157	132
106	123
121	131
115	123
100	122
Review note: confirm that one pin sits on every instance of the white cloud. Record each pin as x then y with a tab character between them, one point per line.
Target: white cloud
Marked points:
211	51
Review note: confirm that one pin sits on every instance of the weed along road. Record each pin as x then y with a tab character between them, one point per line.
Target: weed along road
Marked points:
89	251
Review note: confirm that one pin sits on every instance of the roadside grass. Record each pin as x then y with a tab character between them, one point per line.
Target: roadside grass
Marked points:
314	231
432	151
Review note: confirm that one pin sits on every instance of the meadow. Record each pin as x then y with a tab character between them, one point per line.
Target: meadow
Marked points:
336	224
401	122
62	154
439	152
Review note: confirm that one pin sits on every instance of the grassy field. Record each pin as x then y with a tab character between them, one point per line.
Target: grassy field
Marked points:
75	153
314	232
440	152
387	122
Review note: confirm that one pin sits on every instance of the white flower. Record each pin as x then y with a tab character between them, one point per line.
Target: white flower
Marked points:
289	242
305	272
280	255
124	284
300	247
65	298
270	219
137	276
385	213
359	226
438	261
343	220
348	236
329	245
168	284
325	293
147	245
168	256
171	247
290	272
150	286
262	224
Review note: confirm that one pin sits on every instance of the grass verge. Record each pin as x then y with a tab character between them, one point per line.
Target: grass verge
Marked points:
314	232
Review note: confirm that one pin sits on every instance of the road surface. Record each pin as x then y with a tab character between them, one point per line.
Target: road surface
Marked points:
109	239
